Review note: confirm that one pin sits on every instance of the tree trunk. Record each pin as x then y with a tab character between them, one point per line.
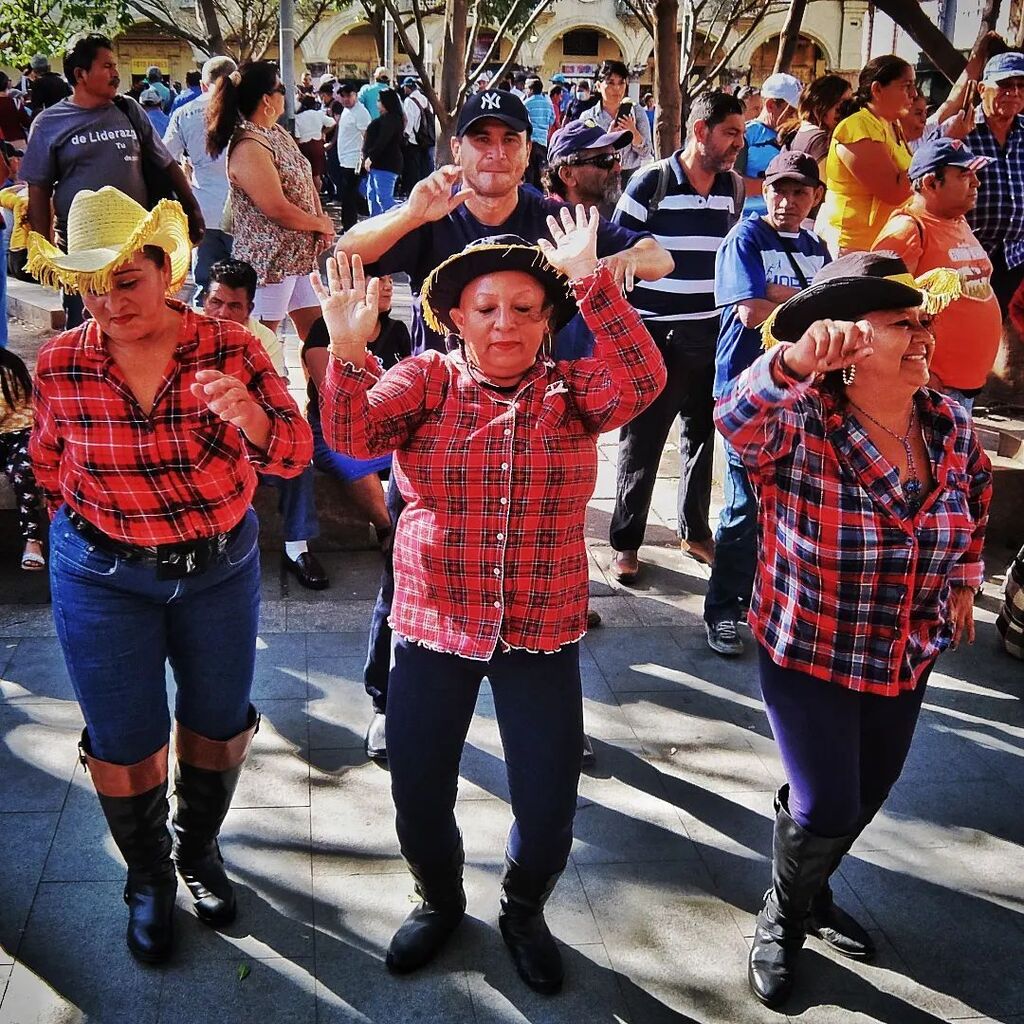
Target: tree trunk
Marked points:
989	18
923	31
667	92
453	63
206	11
790	35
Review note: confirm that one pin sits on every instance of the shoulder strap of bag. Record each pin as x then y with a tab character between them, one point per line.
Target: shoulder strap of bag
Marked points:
788	250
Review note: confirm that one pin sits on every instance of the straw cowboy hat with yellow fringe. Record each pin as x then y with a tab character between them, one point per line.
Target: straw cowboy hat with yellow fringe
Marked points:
106	230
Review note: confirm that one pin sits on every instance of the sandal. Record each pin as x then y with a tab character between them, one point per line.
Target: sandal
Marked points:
32	561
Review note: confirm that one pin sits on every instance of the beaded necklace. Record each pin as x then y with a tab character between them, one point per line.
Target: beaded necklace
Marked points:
912	485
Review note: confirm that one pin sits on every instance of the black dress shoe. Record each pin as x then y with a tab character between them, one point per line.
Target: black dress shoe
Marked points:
308	571
376	738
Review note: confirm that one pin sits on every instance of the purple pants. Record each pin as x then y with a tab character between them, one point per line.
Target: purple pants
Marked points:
842	750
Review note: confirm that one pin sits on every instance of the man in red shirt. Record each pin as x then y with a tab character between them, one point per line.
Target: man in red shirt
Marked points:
930	230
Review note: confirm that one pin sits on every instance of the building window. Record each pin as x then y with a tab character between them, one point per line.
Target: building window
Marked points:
581	43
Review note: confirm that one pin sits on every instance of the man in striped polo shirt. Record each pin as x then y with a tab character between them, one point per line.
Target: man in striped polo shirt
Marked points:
688	202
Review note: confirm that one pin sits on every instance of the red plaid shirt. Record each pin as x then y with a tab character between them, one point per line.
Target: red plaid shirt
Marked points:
178	474
490	548
850	586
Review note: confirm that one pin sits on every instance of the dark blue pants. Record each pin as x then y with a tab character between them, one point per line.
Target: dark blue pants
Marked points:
842	750
296	501
118	626
215	246
539	707
378	651
732	576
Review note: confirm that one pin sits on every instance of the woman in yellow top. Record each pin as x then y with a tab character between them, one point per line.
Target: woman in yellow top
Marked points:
866	169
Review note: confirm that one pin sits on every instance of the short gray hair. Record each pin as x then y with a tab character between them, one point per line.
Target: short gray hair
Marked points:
216	68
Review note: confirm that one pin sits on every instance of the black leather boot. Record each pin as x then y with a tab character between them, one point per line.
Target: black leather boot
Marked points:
205	778
134	802
801	864
828	921
522	924
429	925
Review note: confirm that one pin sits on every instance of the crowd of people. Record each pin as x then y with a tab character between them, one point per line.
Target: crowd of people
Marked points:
820	272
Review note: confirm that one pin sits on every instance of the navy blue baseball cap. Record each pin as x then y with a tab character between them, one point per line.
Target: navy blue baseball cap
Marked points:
579	135
937	153
408	83
493	103
1004	65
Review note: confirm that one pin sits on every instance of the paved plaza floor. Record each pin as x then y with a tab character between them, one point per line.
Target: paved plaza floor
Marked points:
669	863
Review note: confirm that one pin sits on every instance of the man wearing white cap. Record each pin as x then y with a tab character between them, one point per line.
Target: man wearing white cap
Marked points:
781	96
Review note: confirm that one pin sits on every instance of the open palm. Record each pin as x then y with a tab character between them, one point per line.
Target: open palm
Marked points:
574	251
349	302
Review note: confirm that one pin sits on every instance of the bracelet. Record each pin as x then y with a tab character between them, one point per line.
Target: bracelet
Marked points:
786	369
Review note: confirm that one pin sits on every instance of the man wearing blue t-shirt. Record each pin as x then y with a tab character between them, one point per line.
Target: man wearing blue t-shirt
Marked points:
480	196
763	261
781	95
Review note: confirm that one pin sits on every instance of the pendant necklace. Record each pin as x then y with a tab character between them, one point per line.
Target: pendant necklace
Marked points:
912	485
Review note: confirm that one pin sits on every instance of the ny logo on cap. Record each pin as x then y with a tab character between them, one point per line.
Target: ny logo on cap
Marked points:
490	101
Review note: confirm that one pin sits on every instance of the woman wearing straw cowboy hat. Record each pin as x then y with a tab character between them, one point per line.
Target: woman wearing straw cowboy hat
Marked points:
495	453
874	495
150	425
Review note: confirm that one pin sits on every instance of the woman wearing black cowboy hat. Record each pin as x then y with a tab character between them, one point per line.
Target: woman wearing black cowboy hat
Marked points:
495	453
874	496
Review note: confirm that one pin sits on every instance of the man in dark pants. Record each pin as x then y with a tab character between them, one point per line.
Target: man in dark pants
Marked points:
689	202
349	136
87	142
491	150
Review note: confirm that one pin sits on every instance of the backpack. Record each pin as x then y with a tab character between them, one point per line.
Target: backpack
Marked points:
666	175
425	134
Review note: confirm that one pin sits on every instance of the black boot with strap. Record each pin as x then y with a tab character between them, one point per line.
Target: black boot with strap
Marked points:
526	933
205	779
134	802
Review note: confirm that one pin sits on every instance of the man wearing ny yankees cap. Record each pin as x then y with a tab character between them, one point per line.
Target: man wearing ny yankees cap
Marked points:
482	195
479	196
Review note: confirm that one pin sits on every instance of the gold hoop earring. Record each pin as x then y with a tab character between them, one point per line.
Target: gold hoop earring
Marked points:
849	374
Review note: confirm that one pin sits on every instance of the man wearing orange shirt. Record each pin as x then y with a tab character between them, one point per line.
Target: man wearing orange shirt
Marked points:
930	230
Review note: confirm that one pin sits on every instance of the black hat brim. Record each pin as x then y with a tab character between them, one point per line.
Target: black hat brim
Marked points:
842	298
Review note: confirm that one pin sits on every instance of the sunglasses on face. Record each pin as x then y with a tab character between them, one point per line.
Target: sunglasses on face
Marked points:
606	161
280	89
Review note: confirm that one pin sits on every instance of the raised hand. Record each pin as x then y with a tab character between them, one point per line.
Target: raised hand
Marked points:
349	306
432	198
574	251
830	345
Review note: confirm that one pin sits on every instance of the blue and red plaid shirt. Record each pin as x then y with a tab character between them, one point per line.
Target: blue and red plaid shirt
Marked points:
490	548
851	586
998	216
176	474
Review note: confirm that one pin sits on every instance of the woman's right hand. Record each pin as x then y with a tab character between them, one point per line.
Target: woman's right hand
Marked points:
432	198
349	305
829	345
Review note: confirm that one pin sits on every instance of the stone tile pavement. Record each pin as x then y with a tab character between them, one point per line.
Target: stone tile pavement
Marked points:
669	863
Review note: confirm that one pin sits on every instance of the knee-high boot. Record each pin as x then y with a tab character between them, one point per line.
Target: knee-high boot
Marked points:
205	778
134	802
801	864
431	922
827	920
521	920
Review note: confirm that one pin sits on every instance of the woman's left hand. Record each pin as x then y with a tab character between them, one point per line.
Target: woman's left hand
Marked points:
574	252
961	614
229	399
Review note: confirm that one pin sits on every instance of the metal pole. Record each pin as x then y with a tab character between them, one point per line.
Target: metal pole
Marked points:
389	45
287	60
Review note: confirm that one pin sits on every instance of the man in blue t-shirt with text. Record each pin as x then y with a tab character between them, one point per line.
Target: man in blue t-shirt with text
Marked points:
764	260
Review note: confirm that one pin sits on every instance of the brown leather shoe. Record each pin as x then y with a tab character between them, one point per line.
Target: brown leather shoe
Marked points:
626	566
702	551
593	618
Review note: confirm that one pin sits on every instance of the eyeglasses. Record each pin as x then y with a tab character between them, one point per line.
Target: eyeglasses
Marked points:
606	161
280	88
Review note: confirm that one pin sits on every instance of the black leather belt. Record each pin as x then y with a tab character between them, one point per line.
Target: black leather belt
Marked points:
177	560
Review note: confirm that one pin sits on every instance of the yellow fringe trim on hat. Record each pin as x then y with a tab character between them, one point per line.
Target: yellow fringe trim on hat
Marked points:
42	254
430	315
16	201
940	287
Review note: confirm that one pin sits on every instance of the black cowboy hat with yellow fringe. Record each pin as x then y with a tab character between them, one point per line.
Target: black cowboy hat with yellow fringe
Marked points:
106	230
443	288
856	284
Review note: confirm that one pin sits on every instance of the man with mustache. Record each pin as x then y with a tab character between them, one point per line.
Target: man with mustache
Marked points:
88	141
930	231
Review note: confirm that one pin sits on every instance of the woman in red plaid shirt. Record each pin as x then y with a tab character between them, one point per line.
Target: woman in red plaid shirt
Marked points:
495	453
150	425
874	495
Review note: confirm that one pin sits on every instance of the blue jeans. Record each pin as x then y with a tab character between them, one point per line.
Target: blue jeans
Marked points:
296	501
215	246
539	707
118	625
338	464
380	191
732	576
